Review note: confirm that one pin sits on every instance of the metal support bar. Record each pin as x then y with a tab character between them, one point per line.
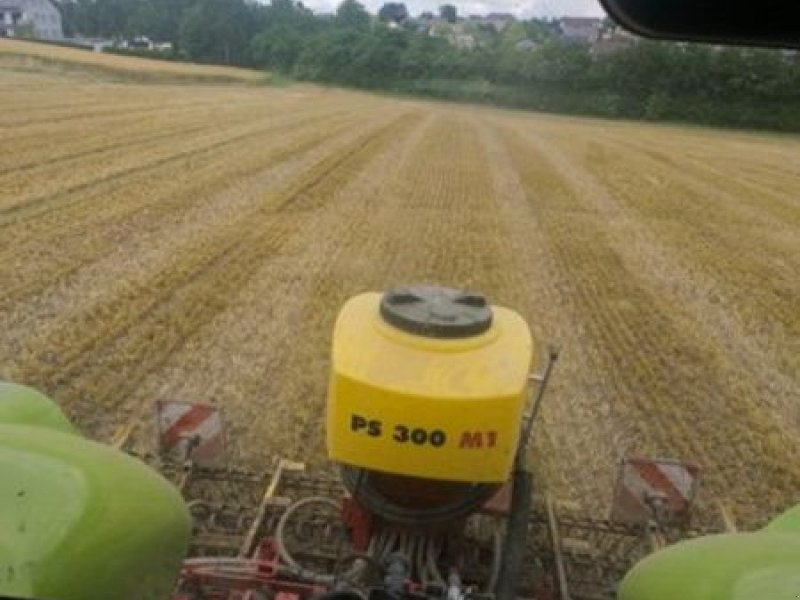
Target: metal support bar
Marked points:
655	538
516	534
249	539
728	522
186	475
555	537
122	435
542	380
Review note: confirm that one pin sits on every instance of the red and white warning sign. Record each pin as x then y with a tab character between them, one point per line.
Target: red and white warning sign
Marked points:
190	431
652	488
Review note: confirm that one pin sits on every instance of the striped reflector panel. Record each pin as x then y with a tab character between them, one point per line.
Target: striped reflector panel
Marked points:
640	481
196	429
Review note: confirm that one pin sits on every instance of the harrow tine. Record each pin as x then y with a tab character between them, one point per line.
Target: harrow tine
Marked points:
122	435
728	521
249	539
555	537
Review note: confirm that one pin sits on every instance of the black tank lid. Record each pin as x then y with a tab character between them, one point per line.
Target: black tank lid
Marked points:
436	312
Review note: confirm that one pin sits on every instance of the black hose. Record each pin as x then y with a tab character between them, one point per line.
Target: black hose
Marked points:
357	482
340	595
517	523
516	534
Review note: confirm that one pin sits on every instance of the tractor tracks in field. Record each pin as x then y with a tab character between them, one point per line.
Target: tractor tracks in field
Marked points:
92	113
336	170
102	134
64	195
112	225
666	374
120	139
574	438
689	176
264	359
105	245
698	279
112	345
733	238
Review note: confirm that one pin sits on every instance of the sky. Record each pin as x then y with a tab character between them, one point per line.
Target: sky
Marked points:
521	8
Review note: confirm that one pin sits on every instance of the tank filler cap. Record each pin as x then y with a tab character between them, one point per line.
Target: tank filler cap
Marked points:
436	312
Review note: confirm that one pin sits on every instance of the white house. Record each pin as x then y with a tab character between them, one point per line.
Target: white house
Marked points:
463	41
37	18
499	20
580	29
526	45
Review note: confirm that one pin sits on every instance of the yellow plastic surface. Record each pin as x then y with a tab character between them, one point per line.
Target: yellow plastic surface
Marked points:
424	407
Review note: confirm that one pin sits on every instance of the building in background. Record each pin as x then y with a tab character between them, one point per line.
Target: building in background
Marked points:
499	20
584	30
30	18
526	45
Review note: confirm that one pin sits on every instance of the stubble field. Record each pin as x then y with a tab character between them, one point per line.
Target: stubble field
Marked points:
196	241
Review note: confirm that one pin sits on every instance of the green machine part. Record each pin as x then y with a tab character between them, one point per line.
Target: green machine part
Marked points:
788	522
80	520
763	565
22	405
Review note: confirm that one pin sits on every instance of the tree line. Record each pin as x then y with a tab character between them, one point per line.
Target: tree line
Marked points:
639	79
